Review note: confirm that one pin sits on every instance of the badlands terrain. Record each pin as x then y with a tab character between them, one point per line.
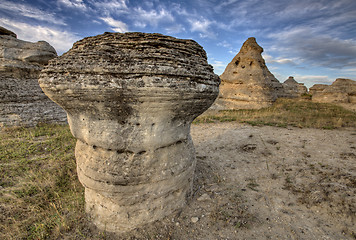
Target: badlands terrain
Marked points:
251	182
295	181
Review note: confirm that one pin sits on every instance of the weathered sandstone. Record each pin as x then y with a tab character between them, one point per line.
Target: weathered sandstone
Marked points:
317	88
293	89
340	91
22	101
130	100
247	82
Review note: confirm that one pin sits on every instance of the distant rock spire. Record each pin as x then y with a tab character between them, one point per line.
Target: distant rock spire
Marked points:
247	82
290	80
293	89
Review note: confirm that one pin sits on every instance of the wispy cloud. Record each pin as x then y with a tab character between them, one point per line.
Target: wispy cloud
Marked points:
79	4
151	17
107	7
279	60
116	25
224	44
177	28
317	48
24	10
61	40
202	26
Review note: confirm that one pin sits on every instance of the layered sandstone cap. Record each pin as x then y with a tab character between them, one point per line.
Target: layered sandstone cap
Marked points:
114	82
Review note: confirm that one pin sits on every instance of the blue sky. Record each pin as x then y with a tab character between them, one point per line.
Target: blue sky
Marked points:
314	41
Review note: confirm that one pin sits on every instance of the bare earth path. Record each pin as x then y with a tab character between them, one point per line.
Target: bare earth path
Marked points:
267	183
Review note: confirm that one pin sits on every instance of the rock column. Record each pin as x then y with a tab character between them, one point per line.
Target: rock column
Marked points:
130	99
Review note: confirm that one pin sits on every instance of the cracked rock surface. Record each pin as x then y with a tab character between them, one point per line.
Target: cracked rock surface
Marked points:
130	99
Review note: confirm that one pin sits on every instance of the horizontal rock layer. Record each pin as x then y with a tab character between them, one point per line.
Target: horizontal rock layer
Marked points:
133	80
340	91
22	101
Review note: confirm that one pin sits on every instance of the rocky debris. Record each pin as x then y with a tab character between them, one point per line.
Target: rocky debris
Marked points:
340	91
247	82
194	219
317	88
293	89
204	197
22	101
130	100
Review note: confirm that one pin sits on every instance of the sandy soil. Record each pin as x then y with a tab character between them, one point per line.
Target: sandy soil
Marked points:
266	183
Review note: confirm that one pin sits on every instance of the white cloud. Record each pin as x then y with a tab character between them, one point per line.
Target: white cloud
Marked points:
74	4
109	7
178	28
224	44
350	70
232	52
110	4
152	17
115	25
199	25
62	41
279	60
179	10
227	3
203	27
24	10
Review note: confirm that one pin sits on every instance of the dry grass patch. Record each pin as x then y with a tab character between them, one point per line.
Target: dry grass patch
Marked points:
288	112
40	195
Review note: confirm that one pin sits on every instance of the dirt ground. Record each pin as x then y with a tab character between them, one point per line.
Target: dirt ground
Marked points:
266	183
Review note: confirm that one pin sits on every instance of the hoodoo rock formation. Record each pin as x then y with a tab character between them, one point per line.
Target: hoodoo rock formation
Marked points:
247	82
22	101
293	89
340	91
130	100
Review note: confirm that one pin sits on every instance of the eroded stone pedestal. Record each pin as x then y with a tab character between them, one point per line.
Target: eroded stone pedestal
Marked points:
130	99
